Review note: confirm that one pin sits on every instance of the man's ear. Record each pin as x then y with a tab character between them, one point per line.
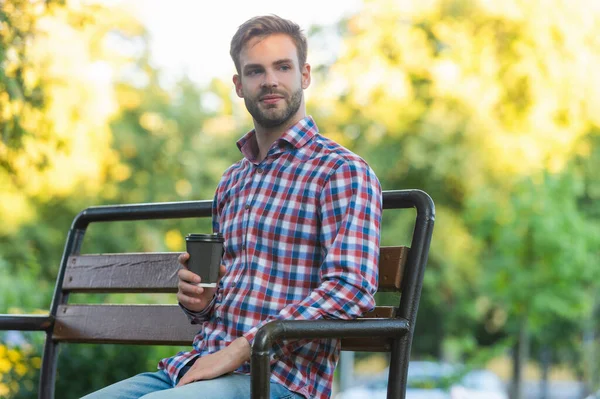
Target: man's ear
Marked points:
306	76
237	82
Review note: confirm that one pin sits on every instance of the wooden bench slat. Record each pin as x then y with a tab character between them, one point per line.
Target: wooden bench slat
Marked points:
381	312
157	272
143	324
391	268
129	272
157	325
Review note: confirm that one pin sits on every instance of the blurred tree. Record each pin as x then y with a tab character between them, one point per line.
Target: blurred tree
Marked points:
112	135
57	101
56	158
56	107
174	146
538	258
484	105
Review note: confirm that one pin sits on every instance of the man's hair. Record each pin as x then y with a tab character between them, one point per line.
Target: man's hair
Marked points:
262	27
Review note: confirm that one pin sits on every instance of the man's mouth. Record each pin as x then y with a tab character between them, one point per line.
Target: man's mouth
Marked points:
270	99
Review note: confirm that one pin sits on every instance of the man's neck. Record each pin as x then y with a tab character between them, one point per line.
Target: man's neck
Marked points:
265	137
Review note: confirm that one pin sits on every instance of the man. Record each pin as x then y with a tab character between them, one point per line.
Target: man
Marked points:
300	216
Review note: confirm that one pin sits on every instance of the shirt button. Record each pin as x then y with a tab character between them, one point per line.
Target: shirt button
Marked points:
247	207
218	319
259	170
243	247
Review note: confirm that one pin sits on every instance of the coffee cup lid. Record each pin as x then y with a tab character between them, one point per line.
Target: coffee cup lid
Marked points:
216	237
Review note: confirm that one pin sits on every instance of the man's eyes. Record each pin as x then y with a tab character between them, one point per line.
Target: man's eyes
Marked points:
252	72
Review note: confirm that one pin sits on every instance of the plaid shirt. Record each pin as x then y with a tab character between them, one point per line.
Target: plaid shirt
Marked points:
301	233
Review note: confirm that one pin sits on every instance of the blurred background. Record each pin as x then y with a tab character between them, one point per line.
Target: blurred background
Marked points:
492	107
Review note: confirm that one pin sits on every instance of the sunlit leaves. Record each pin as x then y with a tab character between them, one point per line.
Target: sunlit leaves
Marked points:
58	71
485	105
521	72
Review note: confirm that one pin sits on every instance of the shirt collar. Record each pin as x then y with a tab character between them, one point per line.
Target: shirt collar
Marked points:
297	136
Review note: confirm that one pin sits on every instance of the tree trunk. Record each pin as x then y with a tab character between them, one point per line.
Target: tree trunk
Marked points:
589	345
520	357
545	359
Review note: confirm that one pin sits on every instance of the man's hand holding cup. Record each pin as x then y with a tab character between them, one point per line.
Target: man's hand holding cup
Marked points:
201	272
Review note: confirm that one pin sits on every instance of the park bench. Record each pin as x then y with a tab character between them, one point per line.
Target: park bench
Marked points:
385	329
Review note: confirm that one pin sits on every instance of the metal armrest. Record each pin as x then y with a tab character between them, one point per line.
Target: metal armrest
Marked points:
28	322
312	329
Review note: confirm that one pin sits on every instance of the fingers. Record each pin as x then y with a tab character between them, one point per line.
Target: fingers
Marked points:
191	303
205	368
186	379
183	258
188	283
189	289
219	363
183	381
192	375
187	276
189	294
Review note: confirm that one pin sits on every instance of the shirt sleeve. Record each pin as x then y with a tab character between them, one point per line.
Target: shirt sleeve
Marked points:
199	317
350	212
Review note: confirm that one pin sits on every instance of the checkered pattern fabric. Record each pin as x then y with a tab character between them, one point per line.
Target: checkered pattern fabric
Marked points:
301	235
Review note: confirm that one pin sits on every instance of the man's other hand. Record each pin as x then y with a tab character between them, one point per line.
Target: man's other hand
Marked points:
219	363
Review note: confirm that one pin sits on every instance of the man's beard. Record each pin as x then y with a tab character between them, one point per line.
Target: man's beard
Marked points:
273	117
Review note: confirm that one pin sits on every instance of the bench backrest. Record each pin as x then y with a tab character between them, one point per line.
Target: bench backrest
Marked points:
163	324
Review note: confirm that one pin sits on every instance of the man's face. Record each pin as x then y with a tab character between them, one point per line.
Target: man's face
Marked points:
271	81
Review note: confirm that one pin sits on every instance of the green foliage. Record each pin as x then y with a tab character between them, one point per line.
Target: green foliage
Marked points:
537	241
18	19
86	368
31	244
468	101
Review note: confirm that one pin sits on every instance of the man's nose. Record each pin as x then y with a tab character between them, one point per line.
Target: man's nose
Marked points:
270	79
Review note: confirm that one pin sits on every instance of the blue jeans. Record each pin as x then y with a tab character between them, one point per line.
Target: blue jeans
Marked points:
158	386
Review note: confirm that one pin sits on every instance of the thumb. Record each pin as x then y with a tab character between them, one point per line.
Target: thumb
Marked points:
183	258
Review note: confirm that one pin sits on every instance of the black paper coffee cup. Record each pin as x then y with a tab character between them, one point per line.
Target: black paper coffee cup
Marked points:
206	251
